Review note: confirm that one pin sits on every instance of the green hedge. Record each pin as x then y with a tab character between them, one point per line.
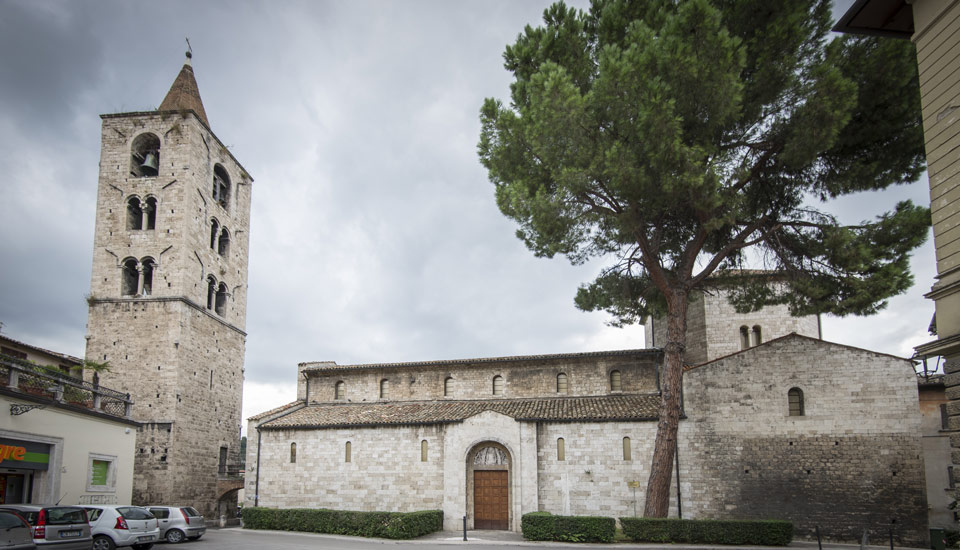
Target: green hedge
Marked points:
706	531
388	525
546	526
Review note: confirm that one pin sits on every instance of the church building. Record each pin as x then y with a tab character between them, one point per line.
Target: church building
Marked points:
168	293
777	423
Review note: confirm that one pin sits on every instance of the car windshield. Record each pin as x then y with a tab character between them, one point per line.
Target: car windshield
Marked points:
9	520
64	516
133	512
190	511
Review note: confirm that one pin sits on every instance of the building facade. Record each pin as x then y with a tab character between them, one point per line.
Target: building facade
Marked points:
61	439
168	294
790	427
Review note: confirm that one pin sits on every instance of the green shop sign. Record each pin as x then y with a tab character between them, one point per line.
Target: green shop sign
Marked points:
25	455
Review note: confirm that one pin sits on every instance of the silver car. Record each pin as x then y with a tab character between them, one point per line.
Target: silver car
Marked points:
114	526
15	532
55	527
178	523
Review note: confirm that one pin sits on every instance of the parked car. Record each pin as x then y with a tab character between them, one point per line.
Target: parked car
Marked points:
55	527
178	523
15	532
114	526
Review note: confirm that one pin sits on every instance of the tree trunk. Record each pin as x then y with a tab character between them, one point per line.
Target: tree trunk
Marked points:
661	471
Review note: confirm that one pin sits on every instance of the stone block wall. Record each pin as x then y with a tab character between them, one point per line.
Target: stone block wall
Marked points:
385	472
181	361
713	326
593	479
533	378
853	461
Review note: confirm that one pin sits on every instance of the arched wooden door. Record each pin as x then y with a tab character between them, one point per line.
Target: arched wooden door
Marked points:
491	499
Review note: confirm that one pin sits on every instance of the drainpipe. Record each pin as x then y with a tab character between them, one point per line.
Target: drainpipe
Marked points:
256	490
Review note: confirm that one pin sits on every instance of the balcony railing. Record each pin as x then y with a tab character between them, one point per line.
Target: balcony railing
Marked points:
29	379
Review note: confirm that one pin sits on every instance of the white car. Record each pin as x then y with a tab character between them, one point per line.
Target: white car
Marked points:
114	526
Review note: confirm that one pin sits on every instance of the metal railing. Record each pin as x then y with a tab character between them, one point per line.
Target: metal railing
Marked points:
30	379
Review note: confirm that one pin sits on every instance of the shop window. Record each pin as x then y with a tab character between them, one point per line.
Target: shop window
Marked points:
101	473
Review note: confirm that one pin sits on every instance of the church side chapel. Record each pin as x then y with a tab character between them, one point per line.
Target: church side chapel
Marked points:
777	423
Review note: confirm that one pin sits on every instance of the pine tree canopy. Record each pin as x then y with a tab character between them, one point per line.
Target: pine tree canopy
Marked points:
690	139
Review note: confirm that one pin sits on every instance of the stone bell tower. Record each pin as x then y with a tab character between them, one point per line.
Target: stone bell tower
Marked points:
168	294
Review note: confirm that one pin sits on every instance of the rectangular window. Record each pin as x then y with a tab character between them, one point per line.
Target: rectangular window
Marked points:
223	460
943	417
101	473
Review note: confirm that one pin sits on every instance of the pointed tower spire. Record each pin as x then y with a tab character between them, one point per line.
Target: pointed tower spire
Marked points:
184	95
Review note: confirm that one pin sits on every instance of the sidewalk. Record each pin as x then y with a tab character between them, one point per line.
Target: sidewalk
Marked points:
511	538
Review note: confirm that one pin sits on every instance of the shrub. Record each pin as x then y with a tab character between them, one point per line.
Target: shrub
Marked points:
705	531
545	526
388	525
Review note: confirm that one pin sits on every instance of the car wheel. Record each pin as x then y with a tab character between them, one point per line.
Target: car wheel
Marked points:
101	542
174	536
146	546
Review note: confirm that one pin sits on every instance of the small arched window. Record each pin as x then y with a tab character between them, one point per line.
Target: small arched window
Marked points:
150	213
134	214
147	266
561	449
384	388
615	384
561	383
756	338
221	306
221	185
448	386
211	291
223	246
423	451
498	385
627	455
130	279
293	453
214	233
338	390
145	156
744	337
795	401
346	452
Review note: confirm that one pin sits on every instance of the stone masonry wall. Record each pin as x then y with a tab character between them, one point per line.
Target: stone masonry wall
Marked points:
585	376
852	462
593	478
713	327
385	472
181	361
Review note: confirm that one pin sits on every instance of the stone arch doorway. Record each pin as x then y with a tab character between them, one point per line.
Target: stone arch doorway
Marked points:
489	477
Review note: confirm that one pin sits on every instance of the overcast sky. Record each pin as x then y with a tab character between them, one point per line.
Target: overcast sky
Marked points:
374	232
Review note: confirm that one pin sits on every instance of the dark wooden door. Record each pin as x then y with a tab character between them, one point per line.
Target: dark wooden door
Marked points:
490	500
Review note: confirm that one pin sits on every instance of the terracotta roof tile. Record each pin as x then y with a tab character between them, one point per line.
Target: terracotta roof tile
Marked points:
274	411
557	409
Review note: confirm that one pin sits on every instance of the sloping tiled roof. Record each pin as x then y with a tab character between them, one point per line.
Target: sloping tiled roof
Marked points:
63	356
397	413
276	410
184	95
687	368
325	366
